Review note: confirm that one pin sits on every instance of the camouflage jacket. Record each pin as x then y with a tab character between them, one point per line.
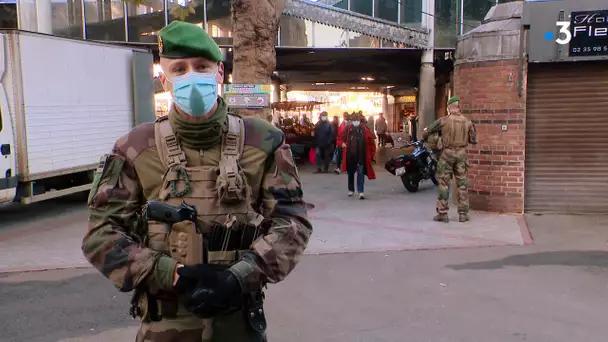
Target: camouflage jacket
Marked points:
456	131
113	243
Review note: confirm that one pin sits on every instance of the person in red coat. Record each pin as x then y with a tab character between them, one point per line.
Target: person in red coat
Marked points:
339	136
359	149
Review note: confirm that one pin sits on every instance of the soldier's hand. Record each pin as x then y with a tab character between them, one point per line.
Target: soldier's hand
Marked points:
224	296
207	290
194	274
190	277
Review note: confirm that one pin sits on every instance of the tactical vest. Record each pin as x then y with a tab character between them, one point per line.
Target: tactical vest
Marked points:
219	193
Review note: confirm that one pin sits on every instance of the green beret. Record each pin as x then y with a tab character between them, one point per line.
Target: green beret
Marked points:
453	99
181	39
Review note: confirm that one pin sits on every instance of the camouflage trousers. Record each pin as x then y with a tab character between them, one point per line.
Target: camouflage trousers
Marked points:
186	327
452	162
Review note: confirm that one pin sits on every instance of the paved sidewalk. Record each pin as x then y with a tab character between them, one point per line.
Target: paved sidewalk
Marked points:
551	291
48	235
390	218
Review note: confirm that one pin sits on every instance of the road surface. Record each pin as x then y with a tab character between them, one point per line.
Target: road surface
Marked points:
350	287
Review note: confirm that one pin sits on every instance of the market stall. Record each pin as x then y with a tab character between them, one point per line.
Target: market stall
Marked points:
294	118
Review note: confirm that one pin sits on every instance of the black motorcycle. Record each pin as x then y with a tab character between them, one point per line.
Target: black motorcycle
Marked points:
415	167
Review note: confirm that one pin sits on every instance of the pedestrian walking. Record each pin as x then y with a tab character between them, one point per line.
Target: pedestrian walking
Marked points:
359	150
324	137
413	126
381	130
456	132
370	125
187	286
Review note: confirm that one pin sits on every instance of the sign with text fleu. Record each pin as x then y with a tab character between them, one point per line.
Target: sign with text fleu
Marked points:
247	95
589	33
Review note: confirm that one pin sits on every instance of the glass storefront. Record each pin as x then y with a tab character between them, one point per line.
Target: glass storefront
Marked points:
145	20
343	4
446	22
105	19
58	17
140	20
387	10
411	13
474	12
218	18
362	6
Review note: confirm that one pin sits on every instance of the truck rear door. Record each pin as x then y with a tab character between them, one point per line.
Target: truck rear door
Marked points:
8	168
8	177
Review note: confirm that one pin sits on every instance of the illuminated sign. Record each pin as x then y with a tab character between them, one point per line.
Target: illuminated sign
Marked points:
405	99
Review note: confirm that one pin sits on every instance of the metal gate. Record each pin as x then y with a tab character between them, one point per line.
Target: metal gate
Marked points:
567	138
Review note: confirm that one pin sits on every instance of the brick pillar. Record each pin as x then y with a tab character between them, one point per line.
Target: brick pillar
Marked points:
489	86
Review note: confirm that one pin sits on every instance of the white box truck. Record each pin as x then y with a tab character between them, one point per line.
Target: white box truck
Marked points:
63	104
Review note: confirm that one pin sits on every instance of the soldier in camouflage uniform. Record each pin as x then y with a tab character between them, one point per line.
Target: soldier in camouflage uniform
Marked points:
456	133
237	172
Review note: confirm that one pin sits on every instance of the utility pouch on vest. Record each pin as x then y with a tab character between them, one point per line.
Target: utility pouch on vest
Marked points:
231	185
185	243
144	307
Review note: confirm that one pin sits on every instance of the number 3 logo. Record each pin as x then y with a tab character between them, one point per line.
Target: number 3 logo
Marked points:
564	29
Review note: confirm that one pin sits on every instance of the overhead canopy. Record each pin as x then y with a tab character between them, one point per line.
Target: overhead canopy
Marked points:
326	14
358	69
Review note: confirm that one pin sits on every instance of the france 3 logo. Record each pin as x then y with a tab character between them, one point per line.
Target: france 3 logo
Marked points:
586	25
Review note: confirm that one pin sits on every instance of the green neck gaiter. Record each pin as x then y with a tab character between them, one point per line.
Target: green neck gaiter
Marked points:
200	135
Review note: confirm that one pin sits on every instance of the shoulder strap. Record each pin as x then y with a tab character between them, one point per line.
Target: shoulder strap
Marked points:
233	142
169	151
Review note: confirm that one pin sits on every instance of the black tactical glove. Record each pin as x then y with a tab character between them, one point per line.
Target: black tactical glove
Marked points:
208	290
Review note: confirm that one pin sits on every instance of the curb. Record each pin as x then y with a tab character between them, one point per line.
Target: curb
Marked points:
25	269
525	231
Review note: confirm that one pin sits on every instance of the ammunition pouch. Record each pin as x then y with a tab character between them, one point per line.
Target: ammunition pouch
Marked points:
230	185
147	307
227	245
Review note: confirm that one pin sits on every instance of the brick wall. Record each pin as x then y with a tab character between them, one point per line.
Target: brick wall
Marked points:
489	96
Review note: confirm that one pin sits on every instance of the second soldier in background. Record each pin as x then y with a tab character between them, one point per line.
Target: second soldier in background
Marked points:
456	132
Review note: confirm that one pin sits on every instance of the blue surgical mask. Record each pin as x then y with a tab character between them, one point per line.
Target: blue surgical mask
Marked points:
356	123
195	93
324	118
